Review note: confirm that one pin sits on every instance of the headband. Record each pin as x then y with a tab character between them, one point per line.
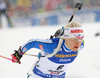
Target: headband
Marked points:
74	32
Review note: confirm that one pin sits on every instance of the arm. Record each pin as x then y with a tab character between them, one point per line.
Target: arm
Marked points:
47	46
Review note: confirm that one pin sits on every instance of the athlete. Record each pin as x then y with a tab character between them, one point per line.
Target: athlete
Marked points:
54	66
5	9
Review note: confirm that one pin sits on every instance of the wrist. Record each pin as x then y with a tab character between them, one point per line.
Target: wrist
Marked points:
20	51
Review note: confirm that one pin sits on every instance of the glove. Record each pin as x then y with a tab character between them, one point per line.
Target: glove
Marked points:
16	56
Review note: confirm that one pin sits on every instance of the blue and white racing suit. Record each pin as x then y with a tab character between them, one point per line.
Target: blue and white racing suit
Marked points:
51	67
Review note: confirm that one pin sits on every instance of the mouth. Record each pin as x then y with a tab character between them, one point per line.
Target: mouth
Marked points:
76	47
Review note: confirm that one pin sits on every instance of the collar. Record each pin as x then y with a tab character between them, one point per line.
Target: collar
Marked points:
66	48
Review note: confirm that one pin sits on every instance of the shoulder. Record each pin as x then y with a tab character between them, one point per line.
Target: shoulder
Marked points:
40	40
55	40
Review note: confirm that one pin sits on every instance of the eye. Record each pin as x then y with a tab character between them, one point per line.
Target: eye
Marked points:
75	39
81	39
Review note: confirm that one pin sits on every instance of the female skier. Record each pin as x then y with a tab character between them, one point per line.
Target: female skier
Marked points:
54	66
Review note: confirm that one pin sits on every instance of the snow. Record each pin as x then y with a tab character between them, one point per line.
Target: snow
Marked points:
86	65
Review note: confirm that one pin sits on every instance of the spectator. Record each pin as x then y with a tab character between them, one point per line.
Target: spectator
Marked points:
4	10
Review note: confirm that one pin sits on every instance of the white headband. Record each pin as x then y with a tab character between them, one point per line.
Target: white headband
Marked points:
76	32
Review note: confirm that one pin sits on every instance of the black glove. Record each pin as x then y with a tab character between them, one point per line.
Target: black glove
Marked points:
16	56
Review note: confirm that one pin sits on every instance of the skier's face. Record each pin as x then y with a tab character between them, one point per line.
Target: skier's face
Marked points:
73	43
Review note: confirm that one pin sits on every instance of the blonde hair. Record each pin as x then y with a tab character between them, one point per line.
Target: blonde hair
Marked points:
73	24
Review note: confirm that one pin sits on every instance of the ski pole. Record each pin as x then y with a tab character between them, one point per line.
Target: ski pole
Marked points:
32	68
31	55
6	58
77	6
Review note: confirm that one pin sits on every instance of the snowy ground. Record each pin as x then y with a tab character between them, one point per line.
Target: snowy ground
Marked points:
86	65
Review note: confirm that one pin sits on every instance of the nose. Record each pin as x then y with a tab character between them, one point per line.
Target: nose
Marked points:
78	43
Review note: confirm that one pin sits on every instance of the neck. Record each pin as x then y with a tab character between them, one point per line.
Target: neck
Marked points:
67	47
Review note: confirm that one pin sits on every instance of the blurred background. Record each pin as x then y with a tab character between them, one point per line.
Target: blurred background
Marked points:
49	12
21	20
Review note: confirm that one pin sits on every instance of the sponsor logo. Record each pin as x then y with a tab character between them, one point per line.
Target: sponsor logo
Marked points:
46	75
76	31
57	71
64	56
64	60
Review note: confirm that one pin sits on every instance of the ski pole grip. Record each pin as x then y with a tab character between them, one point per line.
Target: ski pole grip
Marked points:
79	5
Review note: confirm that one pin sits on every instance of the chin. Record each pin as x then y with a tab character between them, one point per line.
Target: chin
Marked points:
75	49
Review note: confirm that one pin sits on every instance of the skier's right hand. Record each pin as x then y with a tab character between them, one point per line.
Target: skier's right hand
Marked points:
16	56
